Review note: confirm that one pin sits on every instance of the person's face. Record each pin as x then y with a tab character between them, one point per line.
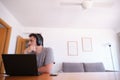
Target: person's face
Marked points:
32	41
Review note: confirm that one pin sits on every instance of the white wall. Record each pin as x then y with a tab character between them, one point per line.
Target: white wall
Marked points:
118	29
57	38
16	26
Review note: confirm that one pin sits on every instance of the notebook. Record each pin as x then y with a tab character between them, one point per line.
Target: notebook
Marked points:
20	64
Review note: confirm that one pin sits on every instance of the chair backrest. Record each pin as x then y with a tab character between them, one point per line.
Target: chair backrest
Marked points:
94	67
72	67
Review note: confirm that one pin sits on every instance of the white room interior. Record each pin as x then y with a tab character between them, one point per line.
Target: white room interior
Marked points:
60	23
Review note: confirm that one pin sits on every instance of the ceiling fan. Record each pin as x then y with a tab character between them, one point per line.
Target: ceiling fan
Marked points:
89	3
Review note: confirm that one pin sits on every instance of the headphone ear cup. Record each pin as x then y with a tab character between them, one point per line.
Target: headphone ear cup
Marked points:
39	42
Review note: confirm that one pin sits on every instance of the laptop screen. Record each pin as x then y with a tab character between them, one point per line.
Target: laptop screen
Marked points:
20	64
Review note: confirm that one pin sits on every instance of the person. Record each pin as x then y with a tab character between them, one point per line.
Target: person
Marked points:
44	59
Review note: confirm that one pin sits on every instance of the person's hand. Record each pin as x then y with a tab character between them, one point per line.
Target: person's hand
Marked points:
30	49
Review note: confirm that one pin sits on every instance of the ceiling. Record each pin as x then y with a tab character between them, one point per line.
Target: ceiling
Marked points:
50	13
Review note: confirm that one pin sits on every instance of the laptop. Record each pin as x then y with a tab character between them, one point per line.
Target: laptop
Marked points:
20	64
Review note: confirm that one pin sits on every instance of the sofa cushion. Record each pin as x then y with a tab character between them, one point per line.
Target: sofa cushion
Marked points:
94	67
72	67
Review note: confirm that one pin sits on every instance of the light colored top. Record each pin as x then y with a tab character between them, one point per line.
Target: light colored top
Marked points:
44	58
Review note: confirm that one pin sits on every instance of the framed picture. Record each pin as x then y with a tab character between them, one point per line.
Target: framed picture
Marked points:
72	48
86	44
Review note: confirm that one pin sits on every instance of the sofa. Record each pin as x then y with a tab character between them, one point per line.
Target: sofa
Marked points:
83	67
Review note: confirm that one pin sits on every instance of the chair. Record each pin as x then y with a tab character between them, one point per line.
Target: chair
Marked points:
94	67
72	67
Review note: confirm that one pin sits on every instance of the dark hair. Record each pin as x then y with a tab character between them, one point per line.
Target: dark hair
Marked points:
39	38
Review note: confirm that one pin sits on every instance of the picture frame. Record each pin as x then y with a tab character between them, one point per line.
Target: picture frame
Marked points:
87	44
72	47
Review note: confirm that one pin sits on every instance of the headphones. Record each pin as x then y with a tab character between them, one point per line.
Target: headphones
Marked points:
39	40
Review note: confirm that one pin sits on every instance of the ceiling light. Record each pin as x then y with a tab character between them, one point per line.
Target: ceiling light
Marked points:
87	4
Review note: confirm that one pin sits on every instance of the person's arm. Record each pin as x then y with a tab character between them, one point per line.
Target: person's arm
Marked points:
45	69
48	62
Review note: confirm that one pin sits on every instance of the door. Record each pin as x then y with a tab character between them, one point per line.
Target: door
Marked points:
2	43
21	45
5	31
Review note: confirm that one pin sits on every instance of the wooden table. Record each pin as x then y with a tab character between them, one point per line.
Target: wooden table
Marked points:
68	76
88	76
41	77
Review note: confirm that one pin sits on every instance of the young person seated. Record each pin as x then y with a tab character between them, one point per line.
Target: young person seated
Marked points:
35	46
